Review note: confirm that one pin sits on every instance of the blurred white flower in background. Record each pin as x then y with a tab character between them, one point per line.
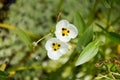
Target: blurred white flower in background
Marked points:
55	48
65	31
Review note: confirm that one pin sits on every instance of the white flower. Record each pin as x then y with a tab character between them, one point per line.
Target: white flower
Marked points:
65	31
55	48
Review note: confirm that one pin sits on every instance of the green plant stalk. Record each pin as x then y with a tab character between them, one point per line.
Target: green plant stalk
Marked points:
111	73
109	15
111	35
12	71
92	13
115	73
101	27
9	27
59	10
43	38
115	21
102	76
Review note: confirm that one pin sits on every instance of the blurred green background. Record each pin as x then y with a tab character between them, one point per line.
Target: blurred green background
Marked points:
33	19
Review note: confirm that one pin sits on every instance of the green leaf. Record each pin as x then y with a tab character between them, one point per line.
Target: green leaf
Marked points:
107	3
79	23
2	78
89	52
111	35
114	37
2	73
85	38
24	37
91	16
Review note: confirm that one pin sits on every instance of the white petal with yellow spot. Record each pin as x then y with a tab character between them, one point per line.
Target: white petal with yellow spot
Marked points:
65	31
55	48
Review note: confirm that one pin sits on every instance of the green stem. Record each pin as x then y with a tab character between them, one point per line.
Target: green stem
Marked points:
116	20
101	27
13	71
101	77
115	73
43	38
59	10
109	15
92	13
9	27
111	74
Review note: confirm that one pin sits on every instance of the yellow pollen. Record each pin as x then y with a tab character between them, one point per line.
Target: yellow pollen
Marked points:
56	46
65	32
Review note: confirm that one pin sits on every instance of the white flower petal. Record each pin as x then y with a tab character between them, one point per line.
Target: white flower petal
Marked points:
48	45
73	31
61	24
54	55
64	48
62	38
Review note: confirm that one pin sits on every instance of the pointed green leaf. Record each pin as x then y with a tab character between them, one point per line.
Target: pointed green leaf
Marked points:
91	16
3	73
79	23
2	78
114	37
89	52
107	3
24	37
85	38
111	35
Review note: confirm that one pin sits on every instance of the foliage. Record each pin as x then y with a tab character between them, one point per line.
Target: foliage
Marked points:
94	54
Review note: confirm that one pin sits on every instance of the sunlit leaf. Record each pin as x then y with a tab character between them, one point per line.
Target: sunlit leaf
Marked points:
3	67
89	52
21	33
79	22
85	38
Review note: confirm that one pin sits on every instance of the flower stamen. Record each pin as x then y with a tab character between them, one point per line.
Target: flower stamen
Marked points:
56	46
65	32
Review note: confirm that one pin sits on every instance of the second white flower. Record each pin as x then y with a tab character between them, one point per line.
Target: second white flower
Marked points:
65	31
55	48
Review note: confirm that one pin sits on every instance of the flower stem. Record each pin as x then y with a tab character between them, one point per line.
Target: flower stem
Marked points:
35	43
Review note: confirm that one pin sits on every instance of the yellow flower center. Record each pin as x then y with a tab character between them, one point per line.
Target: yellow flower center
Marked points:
65	32
56	46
